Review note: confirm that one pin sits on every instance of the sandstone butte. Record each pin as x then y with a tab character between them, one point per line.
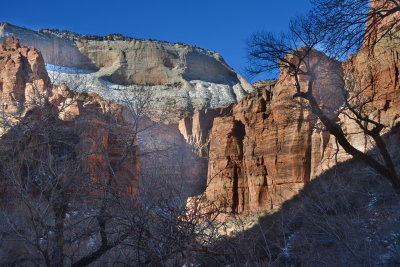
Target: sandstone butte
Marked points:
267	147
76	116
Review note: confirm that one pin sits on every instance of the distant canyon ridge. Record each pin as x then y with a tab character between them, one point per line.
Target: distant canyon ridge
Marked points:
181	78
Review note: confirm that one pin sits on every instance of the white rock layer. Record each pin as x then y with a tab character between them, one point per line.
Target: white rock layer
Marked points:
181	78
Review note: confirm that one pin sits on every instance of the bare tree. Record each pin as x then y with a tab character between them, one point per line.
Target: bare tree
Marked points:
348	24
294	53
70	191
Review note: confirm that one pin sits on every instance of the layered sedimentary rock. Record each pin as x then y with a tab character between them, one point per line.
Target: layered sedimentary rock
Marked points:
383	19
168	163
23	76
182	78
261	155
84	129
271	145
195	129
173	80
108	137
374	71
107	141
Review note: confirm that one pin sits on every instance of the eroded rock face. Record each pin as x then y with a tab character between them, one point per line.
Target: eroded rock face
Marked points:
104	135
182	78
168	164
81	129
277	157
379	26
281	146
23	76
375	73
261	155
269	148
195	129
107	141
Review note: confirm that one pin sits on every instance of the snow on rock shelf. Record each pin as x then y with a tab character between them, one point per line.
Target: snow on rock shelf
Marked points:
181	78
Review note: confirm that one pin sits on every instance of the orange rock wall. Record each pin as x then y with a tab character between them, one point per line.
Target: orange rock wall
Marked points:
266	151
23	76
107	143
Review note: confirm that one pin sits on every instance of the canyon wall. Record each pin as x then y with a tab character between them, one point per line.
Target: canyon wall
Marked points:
85	141
247	156
182	78
22	75
271	145
379	23
110	139
170	80
374	72
260	155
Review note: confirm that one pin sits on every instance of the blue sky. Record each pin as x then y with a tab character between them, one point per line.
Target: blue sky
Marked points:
219	25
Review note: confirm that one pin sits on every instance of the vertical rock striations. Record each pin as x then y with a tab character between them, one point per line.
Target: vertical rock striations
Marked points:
23	76
261	155
271	145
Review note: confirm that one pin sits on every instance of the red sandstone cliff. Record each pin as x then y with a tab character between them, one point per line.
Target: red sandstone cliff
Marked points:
383	19
23	75
375	73
102	142
261	154
266	151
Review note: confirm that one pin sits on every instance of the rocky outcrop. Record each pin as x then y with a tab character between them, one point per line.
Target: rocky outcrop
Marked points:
383	19
271	145
182	78
169	165
105	135
375	73
23	76
107	142
195	129
88	137
261	155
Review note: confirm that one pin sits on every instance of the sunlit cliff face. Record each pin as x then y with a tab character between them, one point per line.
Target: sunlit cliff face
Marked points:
383	20
182	78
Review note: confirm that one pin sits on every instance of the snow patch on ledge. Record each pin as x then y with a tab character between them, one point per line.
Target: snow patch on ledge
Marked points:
67	70
189	96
